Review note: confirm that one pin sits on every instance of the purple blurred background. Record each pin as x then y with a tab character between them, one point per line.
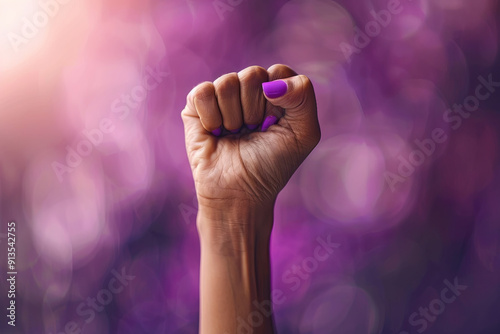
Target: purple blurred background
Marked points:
405	183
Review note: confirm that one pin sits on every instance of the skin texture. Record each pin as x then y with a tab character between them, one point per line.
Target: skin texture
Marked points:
238	169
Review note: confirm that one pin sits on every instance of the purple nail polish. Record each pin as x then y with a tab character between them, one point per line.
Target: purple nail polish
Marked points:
270	120
235	131
217	132
274	89
252	126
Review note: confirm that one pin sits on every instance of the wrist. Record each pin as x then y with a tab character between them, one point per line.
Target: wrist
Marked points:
237	222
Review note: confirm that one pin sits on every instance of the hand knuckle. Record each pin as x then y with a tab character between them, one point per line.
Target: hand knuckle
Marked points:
227	83
306	81
279	67
201	91
253	75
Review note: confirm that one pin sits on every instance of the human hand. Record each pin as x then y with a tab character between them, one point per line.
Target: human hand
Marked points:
238	155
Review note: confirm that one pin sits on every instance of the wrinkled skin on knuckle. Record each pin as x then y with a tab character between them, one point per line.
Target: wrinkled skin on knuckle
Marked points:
253	76
226	84
281	70
201	91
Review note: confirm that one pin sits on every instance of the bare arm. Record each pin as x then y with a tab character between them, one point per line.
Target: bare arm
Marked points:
245	138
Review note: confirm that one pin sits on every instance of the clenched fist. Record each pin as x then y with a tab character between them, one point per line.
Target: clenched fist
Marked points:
246	134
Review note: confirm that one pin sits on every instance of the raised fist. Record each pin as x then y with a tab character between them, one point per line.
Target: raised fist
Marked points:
246	134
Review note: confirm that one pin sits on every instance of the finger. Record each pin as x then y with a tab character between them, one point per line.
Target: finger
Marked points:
296	95
253	102
274	112
280	71
191	119
227	91
203	104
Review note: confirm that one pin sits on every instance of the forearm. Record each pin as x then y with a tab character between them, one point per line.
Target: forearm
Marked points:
235	270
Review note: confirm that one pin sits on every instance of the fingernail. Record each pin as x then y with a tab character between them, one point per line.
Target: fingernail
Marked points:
274	89
235	131
217	132
270	120
252	126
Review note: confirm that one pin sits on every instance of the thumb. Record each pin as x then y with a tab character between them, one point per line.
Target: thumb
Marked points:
296	95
